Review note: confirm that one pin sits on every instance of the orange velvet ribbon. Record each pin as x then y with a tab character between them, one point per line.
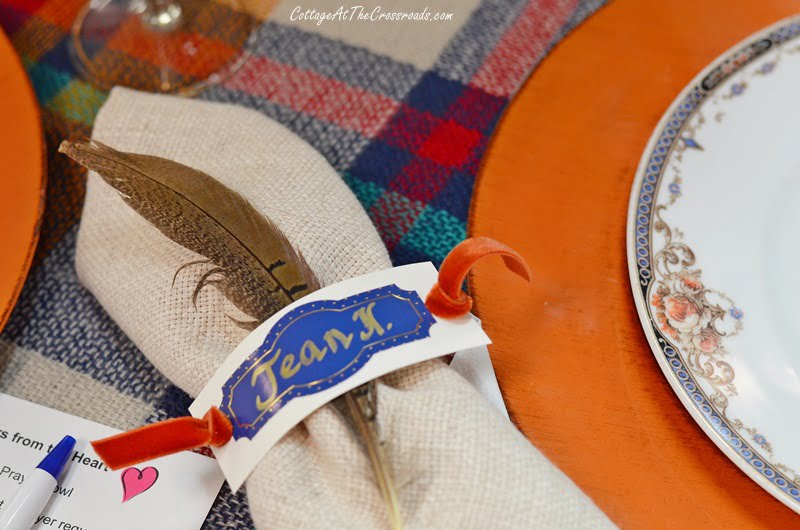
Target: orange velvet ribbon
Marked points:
164	438
445	300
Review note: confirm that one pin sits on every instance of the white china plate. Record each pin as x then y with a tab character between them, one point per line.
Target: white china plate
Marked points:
714	254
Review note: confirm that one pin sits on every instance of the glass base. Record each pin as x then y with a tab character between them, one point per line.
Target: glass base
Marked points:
160	45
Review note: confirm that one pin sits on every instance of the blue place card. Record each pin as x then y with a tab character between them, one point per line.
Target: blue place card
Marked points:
321	346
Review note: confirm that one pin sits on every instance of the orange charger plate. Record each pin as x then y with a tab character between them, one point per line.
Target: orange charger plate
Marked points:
570	354
22	181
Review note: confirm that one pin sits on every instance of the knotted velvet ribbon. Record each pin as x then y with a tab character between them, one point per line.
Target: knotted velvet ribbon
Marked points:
446	299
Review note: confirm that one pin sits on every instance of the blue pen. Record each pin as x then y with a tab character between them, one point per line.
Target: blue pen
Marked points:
37	488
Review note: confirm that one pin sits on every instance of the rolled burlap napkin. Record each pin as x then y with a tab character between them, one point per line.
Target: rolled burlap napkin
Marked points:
455	461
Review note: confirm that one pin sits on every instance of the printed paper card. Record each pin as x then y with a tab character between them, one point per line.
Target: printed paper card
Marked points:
316	349
173	492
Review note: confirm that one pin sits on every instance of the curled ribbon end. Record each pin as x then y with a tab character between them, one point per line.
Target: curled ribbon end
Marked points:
443	305
518	266
108	459
446	299
220	427
164	438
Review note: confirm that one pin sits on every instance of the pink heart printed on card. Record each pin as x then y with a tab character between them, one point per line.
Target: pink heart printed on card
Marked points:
135	482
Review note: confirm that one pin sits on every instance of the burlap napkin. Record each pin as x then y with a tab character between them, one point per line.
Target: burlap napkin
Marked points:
456	462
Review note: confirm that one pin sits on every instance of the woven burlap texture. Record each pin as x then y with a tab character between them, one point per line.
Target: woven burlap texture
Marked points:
456	462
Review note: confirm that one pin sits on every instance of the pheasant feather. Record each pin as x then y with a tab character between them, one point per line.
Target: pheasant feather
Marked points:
252	262
254	265
359	408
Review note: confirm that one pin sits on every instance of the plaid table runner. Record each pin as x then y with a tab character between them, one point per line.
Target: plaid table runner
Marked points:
402	112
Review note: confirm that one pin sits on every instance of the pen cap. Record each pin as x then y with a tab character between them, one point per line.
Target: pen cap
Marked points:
55	461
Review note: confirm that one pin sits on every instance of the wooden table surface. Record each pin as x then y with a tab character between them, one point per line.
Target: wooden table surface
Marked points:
570	354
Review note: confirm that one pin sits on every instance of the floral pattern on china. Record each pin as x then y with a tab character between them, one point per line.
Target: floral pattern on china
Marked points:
695	317
690	322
